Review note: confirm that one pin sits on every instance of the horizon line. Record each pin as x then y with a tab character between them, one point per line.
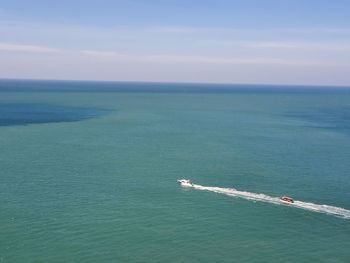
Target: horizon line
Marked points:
180	82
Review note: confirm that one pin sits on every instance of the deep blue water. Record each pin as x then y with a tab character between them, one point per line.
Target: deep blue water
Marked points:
334	118
89	170
27	113
113	86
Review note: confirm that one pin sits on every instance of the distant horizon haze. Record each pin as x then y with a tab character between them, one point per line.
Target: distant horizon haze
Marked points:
247	42
8	83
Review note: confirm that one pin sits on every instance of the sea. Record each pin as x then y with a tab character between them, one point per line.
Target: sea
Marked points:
89	170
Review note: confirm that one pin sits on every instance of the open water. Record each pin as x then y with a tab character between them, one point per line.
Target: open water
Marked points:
88	172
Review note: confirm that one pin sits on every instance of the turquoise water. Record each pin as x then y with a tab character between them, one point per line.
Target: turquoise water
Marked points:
96	181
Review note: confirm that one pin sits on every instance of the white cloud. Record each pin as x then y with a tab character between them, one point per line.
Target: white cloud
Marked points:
27	48
99	55
175	29
301	46
105	54
175	58
27	61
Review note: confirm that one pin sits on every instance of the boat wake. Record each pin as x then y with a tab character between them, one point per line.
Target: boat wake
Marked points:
327	209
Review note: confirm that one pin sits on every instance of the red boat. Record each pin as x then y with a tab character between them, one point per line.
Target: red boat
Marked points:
287	200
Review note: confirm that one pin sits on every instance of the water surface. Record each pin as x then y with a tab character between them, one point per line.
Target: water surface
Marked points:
102	188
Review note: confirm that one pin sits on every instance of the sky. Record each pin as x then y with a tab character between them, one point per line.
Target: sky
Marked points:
299	42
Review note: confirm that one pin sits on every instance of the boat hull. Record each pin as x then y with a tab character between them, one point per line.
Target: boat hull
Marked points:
185	183
286	202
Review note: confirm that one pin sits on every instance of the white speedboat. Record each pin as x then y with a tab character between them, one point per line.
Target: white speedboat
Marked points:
185	183
287	200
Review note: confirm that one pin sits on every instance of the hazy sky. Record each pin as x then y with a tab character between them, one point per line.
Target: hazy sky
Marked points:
247	41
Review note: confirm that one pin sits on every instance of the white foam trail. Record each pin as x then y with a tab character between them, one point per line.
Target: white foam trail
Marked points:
327	209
